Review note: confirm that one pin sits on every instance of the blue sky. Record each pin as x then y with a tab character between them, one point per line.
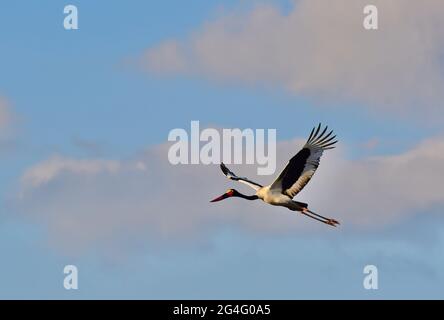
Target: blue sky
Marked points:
82	95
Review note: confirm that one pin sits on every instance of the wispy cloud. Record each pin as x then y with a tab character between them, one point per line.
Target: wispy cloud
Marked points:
44	172
109	202
322	53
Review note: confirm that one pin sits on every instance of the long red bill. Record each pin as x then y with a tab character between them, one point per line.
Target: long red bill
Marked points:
222	197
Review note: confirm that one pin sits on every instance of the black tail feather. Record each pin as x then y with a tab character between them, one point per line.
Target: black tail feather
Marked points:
302	204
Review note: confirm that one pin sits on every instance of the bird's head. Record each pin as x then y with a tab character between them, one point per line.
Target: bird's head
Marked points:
230	193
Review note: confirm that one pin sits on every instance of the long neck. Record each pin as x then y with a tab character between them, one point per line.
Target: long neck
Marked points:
253	197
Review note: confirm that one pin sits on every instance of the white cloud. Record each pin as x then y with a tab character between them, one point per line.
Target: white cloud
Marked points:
45	172
166	58
386	189
323	51
100	202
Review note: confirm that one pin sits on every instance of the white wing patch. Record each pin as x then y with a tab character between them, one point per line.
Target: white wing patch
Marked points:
230	175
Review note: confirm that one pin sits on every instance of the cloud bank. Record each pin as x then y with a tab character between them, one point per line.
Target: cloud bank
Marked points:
86	202
323	52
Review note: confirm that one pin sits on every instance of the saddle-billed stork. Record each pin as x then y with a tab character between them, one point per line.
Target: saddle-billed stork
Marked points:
292	179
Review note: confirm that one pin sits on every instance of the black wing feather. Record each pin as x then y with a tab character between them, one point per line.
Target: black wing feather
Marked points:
294	168
303	165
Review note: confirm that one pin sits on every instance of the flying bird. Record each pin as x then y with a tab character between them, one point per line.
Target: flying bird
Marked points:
298	172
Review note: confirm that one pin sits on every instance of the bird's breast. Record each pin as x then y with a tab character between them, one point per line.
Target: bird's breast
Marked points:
272	197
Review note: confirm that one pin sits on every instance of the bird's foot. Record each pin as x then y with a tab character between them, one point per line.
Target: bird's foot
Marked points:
333	222
330	222
311	214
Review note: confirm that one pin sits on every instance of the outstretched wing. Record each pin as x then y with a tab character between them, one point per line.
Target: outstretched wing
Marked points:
303	165
230	175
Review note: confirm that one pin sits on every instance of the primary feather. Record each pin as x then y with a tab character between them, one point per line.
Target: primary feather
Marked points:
301	168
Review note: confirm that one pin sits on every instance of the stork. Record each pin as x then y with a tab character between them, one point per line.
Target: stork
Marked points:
298	172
